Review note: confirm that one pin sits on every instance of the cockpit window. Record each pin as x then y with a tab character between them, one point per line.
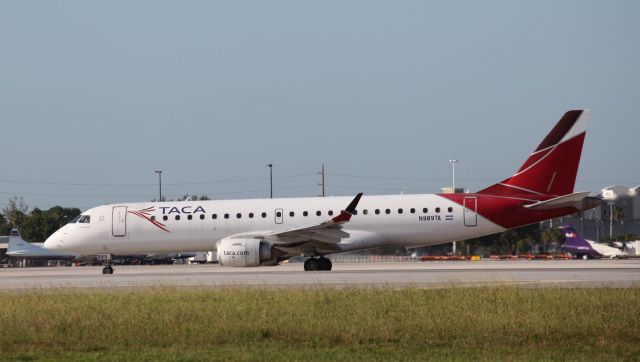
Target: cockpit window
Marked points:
75	219
84	219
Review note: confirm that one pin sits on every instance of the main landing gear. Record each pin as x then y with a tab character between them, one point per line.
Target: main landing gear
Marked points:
320	264
108	269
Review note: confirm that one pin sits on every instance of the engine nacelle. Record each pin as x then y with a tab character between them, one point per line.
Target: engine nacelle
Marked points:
245	252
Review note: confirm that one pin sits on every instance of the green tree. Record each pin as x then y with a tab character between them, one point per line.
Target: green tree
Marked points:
5	227
39	225
15	211
618	213
552	235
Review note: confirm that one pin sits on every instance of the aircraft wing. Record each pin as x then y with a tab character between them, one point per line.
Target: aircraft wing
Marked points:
326	232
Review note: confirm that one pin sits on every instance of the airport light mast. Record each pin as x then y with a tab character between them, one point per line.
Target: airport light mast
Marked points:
453	167
453	187
159	172
322	178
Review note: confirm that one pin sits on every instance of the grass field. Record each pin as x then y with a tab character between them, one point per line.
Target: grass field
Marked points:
322	324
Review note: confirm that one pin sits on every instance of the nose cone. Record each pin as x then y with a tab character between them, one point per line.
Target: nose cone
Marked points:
55	241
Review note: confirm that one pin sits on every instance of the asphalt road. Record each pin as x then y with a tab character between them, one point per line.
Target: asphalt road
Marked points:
571	273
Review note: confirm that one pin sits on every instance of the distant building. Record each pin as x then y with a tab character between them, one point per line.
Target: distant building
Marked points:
597	224
450	190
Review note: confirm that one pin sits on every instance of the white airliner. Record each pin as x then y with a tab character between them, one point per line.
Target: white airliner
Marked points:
579	247
248	233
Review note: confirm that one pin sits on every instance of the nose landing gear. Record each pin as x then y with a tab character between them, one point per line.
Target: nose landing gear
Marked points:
318	264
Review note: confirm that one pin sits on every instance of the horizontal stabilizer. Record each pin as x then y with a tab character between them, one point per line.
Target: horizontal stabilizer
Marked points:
571	200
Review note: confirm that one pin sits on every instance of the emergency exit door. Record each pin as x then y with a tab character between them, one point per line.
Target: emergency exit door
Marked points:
119	221
470	211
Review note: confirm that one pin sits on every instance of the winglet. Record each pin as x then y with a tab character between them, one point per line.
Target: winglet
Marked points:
345	215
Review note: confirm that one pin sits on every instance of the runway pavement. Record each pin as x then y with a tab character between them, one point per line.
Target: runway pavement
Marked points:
571	273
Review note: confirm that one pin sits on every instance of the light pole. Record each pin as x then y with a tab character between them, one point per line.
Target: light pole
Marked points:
453	167
322	178
159	185
453	186
270	165
611	221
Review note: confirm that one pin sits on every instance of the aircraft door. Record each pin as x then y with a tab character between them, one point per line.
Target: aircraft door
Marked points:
279	215
119	221
470	211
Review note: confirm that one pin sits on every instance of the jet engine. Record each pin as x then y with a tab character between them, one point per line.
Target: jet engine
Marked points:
245	252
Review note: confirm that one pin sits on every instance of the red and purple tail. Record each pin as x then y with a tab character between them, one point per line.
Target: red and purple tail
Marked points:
552	168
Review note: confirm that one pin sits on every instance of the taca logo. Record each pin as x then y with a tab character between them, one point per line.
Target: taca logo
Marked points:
181	210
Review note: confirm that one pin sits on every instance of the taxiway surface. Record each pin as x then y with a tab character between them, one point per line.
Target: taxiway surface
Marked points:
592	273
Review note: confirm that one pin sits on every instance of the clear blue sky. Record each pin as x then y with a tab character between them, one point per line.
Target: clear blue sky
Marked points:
96	95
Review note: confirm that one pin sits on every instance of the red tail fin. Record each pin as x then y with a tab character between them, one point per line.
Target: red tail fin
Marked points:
551	169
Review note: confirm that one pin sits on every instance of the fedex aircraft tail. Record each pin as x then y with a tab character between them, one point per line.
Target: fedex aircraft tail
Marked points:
576	245
572	239
551	169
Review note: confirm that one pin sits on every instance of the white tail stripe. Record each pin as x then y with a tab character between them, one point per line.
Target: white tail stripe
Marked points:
579	127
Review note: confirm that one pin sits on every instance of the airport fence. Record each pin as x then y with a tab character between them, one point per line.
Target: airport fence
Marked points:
372	259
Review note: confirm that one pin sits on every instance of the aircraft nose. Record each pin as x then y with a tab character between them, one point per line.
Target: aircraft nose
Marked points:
53	242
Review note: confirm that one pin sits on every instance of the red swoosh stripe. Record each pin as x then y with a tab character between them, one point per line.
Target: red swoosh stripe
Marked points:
144	213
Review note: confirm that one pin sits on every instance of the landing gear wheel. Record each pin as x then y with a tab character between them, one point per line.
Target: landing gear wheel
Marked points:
311	264
107	270
325	263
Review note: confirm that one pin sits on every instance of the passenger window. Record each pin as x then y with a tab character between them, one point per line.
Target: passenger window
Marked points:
264	214
425	210
437	209
399	211
239	215
377	211
214	216
177	217
413	210
291	213
278	214
201	216
365	212
387	211
250	215
331	212
450	209
318	213
226	216
153	218
189	217
165	217
305	213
